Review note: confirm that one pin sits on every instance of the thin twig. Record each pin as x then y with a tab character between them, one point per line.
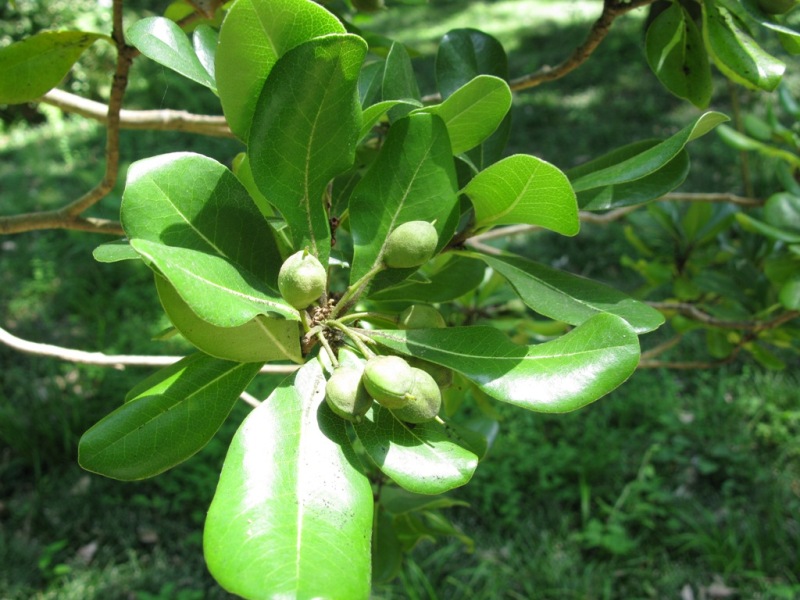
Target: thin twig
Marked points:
692	311
157	120
117	361
662	347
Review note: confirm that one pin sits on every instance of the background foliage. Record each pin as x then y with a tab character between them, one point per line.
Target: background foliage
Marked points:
674	480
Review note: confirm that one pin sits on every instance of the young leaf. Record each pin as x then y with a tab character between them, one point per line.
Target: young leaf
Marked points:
736	53
676	54
33	66
114	252
253	36
524	189
399	81
259	340
304	132
292	514
413	179
162	41
474	111
650	159
425	459
570	298
168	422
557	376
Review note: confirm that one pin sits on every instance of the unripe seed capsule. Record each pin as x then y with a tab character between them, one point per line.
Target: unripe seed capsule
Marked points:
302	279
388	380
425	402
410	245
421	316
346	395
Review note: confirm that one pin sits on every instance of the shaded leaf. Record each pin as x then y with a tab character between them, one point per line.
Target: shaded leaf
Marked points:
168	420
557	376
32	67
450	277
464	54
304	133
399	81
387	554
292	515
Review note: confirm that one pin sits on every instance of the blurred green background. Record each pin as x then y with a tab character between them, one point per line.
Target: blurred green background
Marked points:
679	484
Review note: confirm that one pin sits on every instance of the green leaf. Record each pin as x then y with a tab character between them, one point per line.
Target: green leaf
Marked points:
676	54
736	53
567	297
399	81
162	41
304	132
375	112
427	458
524	189
741	141
650	159
32	67
790	293
387	554
292	515
186	207
464	54
557	376
783	210
370	81
449	277
216	290
111	252
204	41
413	179
169	420
259	340
770	231
474	111
253	36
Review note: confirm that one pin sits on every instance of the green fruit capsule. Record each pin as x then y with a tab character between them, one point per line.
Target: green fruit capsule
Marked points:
346	395
421	316
302	279
388	380
410	245
425	401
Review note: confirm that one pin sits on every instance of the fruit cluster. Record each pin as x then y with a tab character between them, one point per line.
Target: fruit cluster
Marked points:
410	389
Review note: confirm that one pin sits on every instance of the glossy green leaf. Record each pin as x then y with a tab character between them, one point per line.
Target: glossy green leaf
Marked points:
413	179
292	514
464	54
524	189
399	81
754	12
254	34
204	41
259	340
557	376
216	290
648	188
449	277
474	111
651	158
567	297
676	54
304	132
167	422
740	141
186	207
32	67
111	252
427	458
162	41
736	53
375	112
